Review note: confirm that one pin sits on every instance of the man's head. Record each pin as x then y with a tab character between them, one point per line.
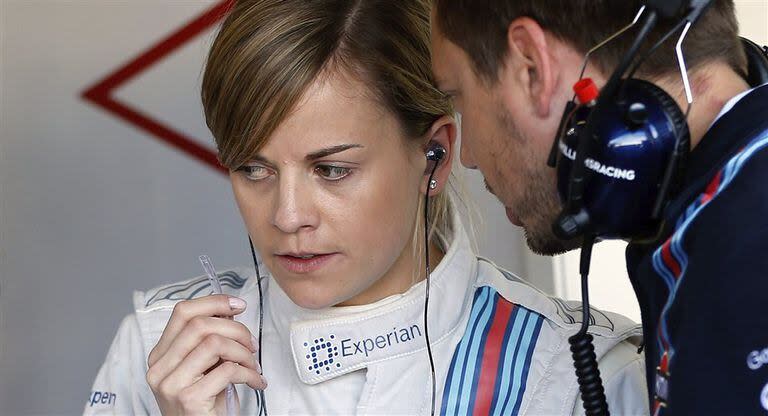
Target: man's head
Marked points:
510	66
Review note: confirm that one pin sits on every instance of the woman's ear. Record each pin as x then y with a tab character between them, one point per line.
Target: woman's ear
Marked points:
442	135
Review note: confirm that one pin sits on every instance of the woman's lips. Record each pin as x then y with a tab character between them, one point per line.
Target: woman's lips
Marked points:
300	265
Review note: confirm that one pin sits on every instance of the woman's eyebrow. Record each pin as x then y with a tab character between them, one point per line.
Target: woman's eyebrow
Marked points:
261	159
331	150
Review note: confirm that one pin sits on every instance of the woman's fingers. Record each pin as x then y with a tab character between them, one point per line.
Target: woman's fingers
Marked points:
199	340
207	354
198	331
185	311
217	381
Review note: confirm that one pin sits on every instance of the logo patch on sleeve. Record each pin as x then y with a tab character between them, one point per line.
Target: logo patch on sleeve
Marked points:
98	398
195	288
571	312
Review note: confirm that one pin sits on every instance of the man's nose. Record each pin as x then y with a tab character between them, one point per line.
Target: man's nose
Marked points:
295	209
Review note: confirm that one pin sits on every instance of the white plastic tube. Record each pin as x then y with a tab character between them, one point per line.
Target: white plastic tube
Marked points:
216	286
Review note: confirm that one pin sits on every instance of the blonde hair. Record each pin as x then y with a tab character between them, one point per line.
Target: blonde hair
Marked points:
268	52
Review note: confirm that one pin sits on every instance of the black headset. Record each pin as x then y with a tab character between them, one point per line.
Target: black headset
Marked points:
619	154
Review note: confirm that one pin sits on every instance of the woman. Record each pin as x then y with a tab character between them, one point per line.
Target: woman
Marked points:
324	112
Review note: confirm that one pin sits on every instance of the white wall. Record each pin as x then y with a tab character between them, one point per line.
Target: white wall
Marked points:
91	207
609	285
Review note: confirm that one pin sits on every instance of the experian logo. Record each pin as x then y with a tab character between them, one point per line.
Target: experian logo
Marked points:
368	345
323	353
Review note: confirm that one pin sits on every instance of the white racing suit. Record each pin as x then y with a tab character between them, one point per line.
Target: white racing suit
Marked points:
500	347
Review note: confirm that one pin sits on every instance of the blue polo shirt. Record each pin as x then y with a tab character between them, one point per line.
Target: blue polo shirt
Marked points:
702	285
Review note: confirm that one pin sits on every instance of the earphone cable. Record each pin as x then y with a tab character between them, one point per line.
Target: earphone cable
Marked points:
426	298
260	393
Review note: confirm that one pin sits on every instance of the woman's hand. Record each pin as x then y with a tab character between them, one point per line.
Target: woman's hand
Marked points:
201	351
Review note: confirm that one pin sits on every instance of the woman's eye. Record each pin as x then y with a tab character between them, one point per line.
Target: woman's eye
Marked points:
332	173
255	172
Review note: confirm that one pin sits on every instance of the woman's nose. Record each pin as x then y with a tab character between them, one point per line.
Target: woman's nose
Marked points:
295	209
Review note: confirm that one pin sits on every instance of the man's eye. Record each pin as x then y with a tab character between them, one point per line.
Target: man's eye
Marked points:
255	172
332	173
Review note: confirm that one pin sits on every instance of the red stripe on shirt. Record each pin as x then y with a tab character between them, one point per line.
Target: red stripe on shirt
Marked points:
664	364
491	357
669	260
709	193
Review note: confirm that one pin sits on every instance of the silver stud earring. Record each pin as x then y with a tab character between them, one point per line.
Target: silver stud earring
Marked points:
433	184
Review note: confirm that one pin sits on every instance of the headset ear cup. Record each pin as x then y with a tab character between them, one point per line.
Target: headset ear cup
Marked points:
640	141
670	107
676	116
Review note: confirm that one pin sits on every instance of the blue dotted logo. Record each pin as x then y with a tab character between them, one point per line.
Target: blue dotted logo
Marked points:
322	355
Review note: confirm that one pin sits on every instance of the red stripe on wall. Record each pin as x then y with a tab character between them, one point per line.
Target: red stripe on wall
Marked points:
166	134
491	357
101	93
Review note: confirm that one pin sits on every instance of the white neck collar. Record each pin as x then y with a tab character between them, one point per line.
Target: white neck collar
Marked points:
335	341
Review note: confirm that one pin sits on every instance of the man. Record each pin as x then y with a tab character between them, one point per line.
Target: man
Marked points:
510	66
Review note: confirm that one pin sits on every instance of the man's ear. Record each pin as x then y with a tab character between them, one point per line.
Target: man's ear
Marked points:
442	134
528	67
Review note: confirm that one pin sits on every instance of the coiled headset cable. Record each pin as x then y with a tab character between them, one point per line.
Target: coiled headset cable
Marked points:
582	349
